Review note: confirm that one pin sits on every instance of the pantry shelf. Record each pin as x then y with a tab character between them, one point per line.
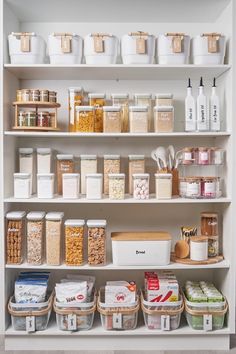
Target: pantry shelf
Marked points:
115	72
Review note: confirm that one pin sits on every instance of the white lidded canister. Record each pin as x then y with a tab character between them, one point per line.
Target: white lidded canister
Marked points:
100	48
26	48
199	248
173	48
138	48
208	48
65	48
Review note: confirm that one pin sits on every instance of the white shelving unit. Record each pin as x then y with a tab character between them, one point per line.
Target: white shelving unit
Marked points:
155	16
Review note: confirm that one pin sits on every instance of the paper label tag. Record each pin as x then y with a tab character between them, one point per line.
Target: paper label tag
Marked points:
71	322
30	323
25	43
66	44
117	320
212	44
140	46
98	44
165	322
207	322
177	44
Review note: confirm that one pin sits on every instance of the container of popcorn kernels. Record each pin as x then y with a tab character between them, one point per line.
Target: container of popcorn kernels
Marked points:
141	186
116	186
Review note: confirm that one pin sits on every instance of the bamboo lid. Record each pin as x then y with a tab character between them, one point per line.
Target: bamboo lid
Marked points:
199	239
141	236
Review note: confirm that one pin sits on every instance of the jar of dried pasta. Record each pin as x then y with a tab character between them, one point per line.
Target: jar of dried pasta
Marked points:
111	165
138	119
97	100
136	165
35	230
116	186
65	164
96	242
76	96
122	100
15	237
112	122
85	119
53	238
74	242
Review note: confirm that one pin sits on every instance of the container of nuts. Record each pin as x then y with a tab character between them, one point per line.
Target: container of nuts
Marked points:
35	229
74	242
15	235
96	242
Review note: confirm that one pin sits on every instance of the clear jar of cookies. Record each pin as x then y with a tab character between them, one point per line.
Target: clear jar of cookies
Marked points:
74	242
85	116
96	242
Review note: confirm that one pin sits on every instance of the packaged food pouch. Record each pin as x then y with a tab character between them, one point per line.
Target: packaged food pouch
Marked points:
89	279
71	292
29	291
120	292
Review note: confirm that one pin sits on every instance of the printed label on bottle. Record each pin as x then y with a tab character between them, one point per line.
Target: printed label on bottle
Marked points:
165	323
140	46
30	323
71	322
207	322
117	321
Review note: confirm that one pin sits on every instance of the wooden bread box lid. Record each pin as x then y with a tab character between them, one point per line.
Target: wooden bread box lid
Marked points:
141	236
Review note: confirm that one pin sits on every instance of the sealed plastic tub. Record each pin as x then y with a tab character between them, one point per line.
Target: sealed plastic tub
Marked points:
65	48
138	48
209	48
100	48
173	48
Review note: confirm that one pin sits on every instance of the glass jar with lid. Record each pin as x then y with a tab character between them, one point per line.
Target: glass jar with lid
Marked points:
164	99
43	95
111	165
145	99
163	119
122	100
217	156
19	96
35	230
209	223
85	116
141	186
25	95
30	119
209	187
204	156
52	96
65	164
76	97
96	242
34	95
43	119
188	156
182	187
94	186
193	187
116	185
88	165
163	185
97	100
15	237
21	119
138	119
136	165
112	122
74	242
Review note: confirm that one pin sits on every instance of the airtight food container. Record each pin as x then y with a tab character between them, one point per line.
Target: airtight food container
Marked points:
100	48
141	248
208	48
65	48
173	48
138	48
26	48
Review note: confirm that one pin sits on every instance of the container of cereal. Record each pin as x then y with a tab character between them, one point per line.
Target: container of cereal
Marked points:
97	100
74	242
53	237
85	117
141	186
116	185
14	237
96	242
35	232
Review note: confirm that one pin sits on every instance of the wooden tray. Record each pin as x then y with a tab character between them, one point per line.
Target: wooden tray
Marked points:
211	260
38	129
39	104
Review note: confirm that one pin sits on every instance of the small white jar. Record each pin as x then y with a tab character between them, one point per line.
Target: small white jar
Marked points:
198	248
70	185
22	185
163	185
45	185
138	119
141	186
94	183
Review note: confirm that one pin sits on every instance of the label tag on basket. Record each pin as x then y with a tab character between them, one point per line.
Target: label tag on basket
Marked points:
165	322
30	323
140	45
25	43
212	44
207	322
66	44
71	322
117	320
177	44
98	44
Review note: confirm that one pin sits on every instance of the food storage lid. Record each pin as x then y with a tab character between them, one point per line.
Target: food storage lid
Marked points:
75	89
111	157
112	108
15	215
69	175
88	157
141	175
138	108
164	175
84	108
44	151
96	95
143	95
65	157
45	175
141	236
22	175
208	214
136	157
96	223
94	175
120	95
35	215
54	216
163	108
198	239
74	222
164	95
116	175
26	150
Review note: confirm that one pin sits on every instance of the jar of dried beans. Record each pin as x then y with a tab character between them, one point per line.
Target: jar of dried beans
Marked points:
53	238
85	119
35	230
15	237
74	242
97	100
96	242
111	165
65	164
112	121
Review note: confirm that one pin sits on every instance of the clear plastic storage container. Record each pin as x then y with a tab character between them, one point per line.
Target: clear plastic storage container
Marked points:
111	165
35	233
96	242
44	160
141	186
136	165
76	97
122	100
26	163
14	237
116	186
138	119
45	185
163	185
94	186
97	100
163	119
22	185
70	185
53	238
88	165
65	164
145	99
74	242
85	117
112	119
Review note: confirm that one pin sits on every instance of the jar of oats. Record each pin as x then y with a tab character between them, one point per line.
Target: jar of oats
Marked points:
96	242
112	122
97	100
116	186
53	238
74	242
35	230
85	119
111	165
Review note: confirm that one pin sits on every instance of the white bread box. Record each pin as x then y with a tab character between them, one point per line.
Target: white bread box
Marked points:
65	48
138	48
173	48
100	48
26	48
209	48
141	248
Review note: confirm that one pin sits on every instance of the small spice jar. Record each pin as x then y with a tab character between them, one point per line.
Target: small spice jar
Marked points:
138	119
182	187
198	248
65	164
85	116
112	119
14	237
30	119
45	185
213	246
34	95
88	165
74	242
209	187
145	99
53	238
163	119
209	224
116	186
163	185
94	186
136	165
21	119
97	100
76	96
22	185
164	99
52	96
141	186
96	242
217	156
193	187
70	185
44	160
204	156
35	230
122	100
111	165
43	119
43	95
25	95
188	156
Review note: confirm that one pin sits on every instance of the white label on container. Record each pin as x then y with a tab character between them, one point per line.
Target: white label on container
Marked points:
210	187
207	322
71	322
165	322
203	156
117	320
188	156
30	323
193	189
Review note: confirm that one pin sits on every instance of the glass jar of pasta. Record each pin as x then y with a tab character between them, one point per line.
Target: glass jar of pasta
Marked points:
85	119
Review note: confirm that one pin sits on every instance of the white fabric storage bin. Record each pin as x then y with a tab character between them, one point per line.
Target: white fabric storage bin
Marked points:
100	48
26	48
65	48
141	248
208	48
138	48
173	48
